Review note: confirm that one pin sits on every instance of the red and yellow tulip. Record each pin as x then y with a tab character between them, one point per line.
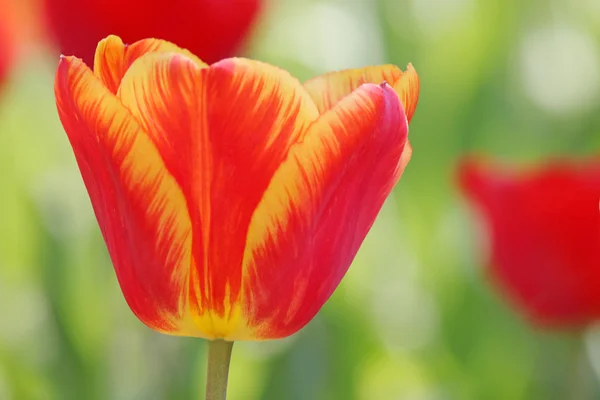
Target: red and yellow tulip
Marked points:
231	197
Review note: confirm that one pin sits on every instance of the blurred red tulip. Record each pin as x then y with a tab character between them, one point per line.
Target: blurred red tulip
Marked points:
545	236
211	29
8	37
6	53
232	198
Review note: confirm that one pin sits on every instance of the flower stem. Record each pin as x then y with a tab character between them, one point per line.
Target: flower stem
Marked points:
219	355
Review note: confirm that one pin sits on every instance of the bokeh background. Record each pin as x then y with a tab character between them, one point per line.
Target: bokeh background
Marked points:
416	317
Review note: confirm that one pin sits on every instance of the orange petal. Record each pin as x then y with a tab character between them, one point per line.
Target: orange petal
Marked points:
222	132
328	89
140	208
318	208
407	88
113	58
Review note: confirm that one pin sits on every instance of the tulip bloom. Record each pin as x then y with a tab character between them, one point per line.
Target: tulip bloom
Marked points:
545	237
7	45
211	29
5	54
231	197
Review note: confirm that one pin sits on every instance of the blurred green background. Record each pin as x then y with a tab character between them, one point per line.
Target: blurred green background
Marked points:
415	318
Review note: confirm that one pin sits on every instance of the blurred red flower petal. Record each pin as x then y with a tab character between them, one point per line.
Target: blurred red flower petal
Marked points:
211	29
544	227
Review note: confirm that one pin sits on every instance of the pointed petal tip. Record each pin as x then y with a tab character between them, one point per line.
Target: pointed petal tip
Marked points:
64	63
390	104
67	64
383	89
64	59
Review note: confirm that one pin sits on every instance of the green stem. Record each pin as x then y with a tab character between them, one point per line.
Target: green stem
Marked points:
219	355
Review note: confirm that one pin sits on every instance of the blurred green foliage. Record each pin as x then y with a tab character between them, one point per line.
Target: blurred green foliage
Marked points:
416	317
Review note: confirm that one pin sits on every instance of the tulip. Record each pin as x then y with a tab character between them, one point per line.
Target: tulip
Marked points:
232	198
211	29
5	55
544	228
7	42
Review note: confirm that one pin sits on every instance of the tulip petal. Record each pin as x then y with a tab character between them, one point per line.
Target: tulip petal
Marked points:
211	29
222	131
544	229
140	208
318	208
328	89
113	57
